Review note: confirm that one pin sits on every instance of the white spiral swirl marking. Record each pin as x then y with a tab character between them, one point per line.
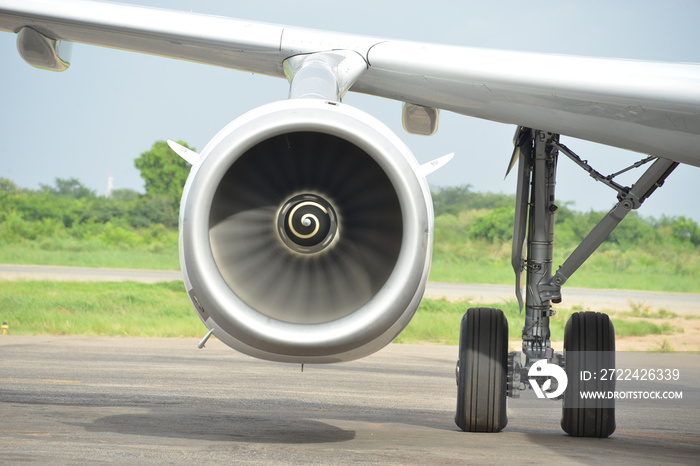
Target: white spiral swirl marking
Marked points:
306	219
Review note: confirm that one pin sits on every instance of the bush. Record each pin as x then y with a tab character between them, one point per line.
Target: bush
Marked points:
495	226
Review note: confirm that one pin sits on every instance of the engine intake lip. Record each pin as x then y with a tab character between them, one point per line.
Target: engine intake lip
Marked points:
307	224
355	332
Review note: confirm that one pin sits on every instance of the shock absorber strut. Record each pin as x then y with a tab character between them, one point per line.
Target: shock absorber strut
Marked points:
542	166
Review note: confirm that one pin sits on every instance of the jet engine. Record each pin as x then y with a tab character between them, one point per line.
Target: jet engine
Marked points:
306	233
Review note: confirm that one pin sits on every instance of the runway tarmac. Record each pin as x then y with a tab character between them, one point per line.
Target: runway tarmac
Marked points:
131	400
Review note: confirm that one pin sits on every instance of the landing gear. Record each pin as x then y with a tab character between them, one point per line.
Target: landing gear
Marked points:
589	349
482	371
486	373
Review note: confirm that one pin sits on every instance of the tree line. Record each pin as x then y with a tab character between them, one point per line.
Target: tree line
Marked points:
70	204
462	215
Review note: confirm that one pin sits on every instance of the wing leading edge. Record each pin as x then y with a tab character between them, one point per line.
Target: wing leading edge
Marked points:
647	107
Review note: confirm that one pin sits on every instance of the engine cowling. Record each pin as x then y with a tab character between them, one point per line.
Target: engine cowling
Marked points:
306	233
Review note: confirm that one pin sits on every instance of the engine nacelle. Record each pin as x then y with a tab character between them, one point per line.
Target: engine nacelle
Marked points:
306	233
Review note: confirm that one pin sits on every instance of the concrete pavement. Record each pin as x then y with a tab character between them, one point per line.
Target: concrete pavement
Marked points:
79	400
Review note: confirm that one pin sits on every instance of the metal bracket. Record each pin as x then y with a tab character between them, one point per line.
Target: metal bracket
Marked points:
596	175
652	179
323	75
519	365
514	383
536	190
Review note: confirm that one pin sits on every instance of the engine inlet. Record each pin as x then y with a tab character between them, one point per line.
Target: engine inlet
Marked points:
306	233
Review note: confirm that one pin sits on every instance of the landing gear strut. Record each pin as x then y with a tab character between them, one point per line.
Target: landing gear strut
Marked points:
589	340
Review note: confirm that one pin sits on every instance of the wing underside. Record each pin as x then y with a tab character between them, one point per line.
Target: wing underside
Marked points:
647	107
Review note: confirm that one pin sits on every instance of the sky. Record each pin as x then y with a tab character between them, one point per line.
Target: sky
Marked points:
111	106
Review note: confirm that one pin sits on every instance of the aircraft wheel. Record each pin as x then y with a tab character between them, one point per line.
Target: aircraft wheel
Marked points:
589	346
482	371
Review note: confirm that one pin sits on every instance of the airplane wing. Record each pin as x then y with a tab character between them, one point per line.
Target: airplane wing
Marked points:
648	107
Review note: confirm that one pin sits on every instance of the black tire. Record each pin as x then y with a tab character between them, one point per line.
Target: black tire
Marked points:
589	345
482	372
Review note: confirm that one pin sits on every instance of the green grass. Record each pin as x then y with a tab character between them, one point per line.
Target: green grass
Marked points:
662	265
445	269
163	310
639	328
481	266
664	347
637	269
90	253
439	321
98	309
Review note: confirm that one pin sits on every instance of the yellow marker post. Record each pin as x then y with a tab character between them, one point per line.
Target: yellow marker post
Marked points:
5	328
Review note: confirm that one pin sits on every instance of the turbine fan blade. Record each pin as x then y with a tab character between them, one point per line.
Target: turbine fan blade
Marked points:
298	284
